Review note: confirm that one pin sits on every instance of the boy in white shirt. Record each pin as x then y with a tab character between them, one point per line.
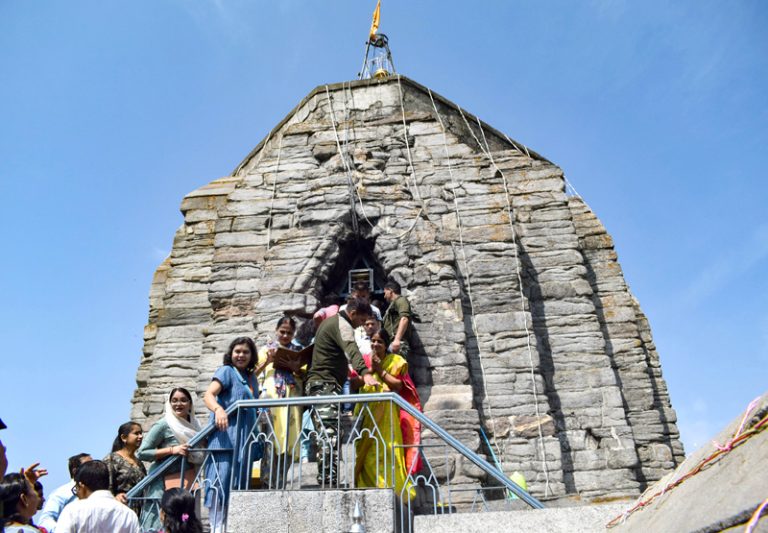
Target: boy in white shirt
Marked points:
96	510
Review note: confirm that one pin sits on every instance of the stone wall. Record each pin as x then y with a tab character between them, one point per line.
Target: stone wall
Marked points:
527	328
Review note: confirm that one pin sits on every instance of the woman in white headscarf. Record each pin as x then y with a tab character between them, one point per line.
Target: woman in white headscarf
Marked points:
168	437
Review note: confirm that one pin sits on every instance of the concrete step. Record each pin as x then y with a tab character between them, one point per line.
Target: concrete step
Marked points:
587	519
310	511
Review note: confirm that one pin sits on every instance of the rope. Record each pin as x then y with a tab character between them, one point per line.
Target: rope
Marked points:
510	141
575	192
528	154
407	145
756	517
261	154
346	166
738	438
413	225
729	444
274	191
468	277
486	150
348	171
345	156
346	115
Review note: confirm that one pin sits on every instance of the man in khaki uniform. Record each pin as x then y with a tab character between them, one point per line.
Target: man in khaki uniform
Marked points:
335	349
397	319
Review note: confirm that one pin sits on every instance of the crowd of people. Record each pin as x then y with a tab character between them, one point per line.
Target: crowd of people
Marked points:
355	349
93	501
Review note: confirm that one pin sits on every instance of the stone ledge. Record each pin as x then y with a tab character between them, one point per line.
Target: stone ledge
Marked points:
588	519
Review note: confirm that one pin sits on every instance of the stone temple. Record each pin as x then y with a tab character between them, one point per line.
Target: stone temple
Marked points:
526	328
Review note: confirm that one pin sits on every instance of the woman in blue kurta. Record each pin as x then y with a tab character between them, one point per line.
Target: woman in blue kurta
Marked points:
233	381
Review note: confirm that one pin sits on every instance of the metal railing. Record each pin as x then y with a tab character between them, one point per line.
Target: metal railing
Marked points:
285	465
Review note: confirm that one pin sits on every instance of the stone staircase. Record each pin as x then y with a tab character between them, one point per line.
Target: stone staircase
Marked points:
313	511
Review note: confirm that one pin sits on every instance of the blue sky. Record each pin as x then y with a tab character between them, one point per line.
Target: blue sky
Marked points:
110	112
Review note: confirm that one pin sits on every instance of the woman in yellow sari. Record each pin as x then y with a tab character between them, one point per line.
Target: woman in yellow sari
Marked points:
286	421
375	452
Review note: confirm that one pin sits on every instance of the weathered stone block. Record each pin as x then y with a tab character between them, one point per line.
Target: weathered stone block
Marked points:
531	426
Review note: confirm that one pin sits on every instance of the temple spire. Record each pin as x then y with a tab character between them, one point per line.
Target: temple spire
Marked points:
378	61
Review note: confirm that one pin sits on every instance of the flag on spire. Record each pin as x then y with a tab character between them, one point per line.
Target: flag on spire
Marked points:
375	21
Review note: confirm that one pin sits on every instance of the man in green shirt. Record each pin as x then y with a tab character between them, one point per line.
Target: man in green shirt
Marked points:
397	318
335	349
